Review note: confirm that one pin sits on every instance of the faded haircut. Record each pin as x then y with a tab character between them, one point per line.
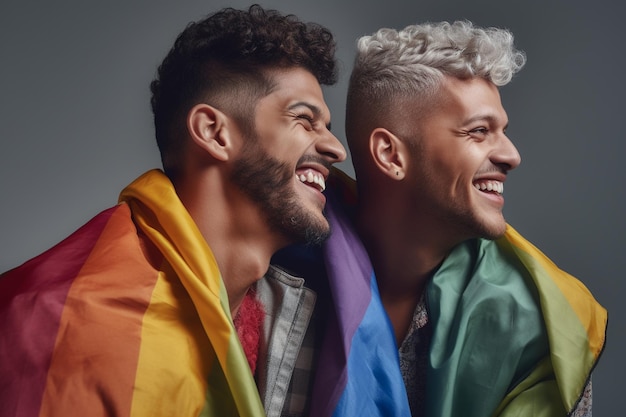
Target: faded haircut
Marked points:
228	60
392	66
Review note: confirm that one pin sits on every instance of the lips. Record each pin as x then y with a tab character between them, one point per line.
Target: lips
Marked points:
311	178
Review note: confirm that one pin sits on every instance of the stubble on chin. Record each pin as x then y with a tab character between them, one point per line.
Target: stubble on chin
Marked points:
269	183
494	232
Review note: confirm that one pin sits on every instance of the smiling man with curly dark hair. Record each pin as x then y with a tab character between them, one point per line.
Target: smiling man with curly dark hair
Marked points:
152	307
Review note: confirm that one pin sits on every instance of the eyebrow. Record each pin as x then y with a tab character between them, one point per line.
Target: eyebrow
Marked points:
484	117
317	112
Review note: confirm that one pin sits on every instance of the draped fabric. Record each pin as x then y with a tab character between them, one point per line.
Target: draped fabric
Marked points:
128	316
576	328
513	334
359	373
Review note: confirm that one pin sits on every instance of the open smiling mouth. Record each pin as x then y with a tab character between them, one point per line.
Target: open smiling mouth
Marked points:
496	187
312	178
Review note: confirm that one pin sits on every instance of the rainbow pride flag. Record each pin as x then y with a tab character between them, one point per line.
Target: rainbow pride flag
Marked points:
358	372
128	316
513	334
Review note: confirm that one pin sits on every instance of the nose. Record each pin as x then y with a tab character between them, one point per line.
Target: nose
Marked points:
330	146
506	154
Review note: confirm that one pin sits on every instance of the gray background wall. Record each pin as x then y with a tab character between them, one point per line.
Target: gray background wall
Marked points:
75	123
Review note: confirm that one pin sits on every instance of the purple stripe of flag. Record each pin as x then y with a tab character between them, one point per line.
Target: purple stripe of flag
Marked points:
349	272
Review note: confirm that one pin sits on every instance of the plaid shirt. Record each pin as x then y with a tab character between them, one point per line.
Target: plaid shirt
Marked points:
284	369
299	392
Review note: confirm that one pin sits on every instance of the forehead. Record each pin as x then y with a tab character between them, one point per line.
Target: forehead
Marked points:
295	85
467	99
453	105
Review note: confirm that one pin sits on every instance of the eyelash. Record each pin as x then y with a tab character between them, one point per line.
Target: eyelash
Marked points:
308	118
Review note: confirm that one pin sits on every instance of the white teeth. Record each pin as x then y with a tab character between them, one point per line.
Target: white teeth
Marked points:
496	186
311	177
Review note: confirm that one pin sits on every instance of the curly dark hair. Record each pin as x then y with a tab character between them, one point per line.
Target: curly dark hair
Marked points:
226	60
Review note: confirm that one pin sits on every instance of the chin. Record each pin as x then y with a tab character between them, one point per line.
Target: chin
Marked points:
317	232
487	227
495	231
305	228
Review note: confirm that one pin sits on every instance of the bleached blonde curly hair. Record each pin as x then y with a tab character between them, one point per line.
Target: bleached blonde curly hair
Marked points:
394	66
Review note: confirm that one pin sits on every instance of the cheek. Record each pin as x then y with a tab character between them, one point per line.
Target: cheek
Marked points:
452	176
446	169
466	165
291	145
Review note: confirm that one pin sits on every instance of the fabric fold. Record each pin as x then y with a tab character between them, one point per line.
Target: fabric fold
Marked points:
360	371
130	317
162	217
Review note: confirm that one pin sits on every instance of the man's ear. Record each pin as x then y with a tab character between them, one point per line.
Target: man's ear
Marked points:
209	129
388	153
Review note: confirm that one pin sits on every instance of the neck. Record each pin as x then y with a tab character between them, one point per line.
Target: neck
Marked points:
237	233
403	257
241	264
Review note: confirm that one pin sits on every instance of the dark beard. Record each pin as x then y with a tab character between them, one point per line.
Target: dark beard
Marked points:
267	181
